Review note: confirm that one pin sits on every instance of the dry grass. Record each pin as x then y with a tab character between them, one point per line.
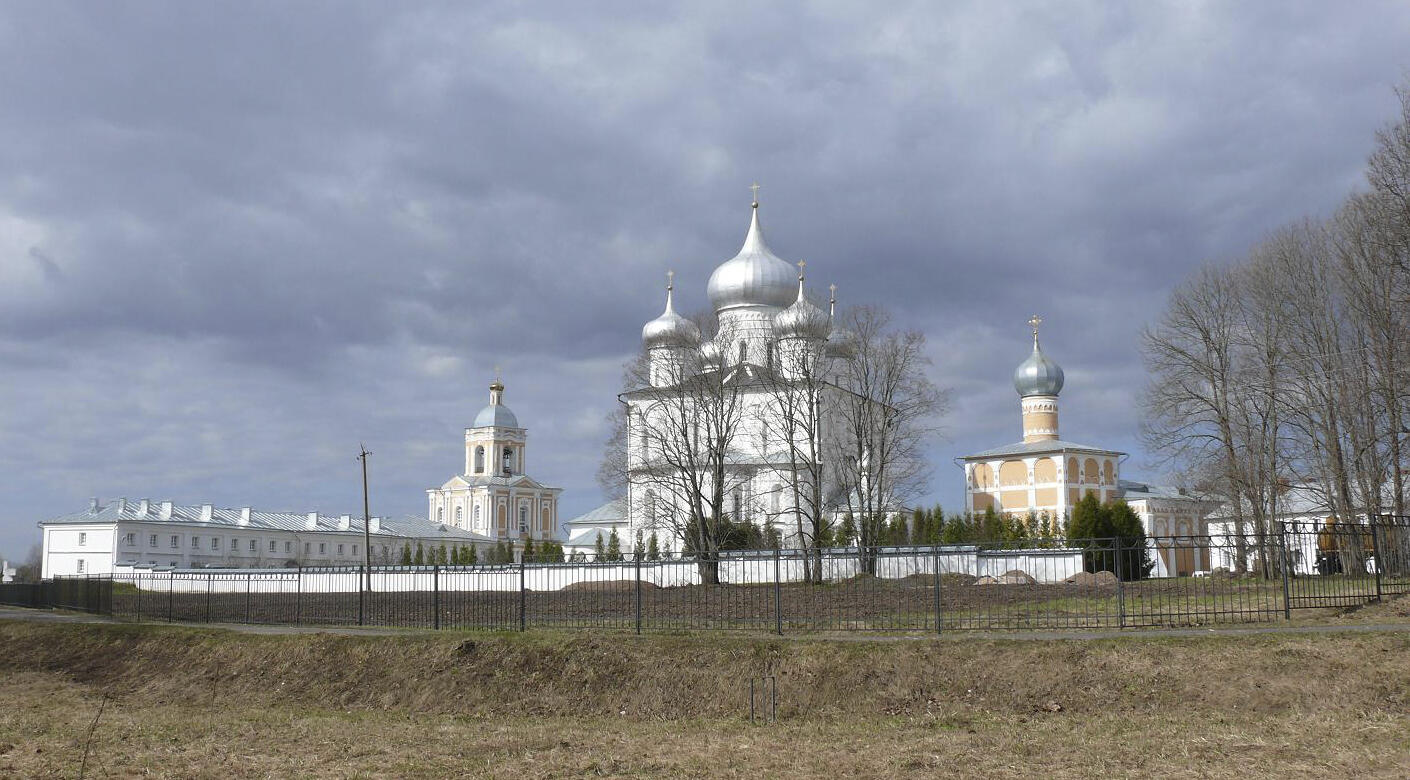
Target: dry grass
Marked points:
194	703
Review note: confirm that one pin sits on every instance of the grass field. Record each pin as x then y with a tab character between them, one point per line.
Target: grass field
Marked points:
208	703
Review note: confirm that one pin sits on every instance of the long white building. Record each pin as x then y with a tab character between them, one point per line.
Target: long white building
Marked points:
142	534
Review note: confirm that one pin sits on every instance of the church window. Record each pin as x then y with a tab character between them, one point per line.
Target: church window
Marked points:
235	545
354	551
738	503
80	565
152	540
477	516
458	510
440	514
743	351
82	538
479	460
508	460
651	508
523	519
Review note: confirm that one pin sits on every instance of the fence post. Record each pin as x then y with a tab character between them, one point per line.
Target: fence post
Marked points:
210	576
298	595
170	599
1376	554
1287	583
935	558
637	559
523	598
248	577
361	595
436	595
778	595
1120	585
138	579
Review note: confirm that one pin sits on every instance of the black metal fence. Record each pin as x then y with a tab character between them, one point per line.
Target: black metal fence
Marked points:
1031	585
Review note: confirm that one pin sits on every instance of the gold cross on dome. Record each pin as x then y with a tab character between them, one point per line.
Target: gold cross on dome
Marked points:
802	264
1033	323
496	374
755	188
670	280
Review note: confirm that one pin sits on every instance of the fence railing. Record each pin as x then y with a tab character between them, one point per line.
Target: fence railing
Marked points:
1030	585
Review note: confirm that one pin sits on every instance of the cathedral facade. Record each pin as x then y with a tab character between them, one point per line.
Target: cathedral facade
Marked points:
765	368
494	495
1046	475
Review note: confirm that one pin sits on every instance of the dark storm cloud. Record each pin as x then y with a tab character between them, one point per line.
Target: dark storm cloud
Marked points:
236	239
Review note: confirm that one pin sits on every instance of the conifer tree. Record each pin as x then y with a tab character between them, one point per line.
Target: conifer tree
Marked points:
472	557
614	547
653	548
848	532
530	554
441	554
598	549
406	554
420	558
638	547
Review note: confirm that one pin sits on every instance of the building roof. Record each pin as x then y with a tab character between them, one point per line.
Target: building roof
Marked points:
756	277
123	511
497	480
1041	448
613	512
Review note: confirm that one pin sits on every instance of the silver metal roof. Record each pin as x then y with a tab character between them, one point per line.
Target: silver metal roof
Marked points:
1038	375
802	320
1051	447
670	329
124	511
754	277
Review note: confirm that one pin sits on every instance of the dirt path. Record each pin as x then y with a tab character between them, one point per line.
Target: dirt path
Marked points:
49	616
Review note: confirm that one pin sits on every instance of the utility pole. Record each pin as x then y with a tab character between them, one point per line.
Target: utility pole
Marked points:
366	523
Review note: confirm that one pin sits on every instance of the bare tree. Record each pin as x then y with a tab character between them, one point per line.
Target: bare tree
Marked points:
889	410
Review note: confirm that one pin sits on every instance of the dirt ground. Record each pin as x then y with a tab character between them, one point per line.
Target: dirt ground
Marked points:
184	702
862	603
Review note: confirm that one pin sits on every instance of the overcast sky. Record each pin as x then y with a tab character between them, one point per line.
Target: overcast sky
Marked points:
237	239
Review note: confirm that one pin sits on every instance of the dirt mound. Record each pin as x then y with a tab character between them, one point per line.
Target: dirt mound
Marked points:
1015	577
607	586
1092	579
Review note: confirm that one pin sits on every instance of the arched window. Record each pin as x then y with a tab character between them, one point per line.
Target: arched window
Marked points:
743	351
523	519
477	516
458	514
738	502
650	509
479	460
508	460
440	514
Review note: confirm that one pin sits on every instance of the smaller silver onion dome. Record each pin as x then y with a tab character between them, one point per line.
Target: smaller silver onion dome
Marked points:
1038	375
496	414
711	354
802	320
842	343
670	329
754	277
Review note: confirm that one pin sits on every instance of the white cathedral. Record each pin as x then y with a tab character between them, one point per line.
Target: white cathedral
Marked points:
772	345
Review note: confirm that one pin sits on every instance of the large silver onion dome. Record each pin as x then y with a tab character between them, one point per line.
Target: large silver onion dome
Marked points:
802	320
1038	375
754	277
670	329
